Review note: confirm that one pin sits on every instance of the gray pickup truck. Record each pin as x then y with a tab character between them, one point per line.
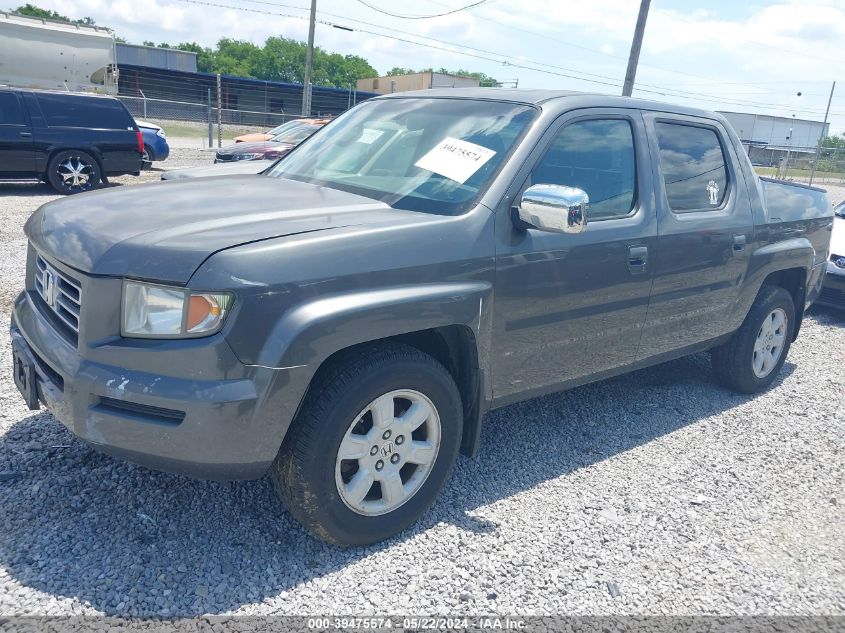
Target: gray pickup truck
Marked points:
345	320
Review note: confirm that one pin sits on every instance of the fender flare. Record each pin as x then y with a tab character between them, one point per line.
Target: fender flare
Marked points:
309	333
772	258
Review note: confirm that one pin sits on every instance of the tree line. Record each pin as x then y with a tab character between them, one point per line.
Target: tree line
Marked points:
278	59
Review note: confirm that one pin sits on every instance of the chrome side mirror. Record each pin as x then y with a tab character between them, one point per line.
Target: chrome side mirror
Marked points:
554	208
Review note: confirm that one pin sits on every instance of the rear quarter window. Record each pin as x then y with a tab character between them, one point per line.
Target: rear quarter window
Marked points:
11	112
62	110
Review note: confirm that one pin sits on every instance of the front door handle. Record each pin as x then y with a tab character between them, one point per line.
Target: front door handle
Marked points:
637	259
26	134
739	242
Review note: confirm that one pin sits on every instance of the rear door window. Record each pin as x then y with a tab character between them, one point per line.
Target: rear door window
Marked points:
62	110
11	112
693	166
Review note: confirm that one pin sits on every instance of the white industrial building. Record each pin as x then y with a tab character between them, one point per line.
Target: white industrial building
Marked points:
769	138
764	129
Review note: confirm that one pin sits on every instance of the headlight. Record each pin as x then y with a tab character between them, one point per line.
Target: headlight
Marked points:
161	133
151	311
248	156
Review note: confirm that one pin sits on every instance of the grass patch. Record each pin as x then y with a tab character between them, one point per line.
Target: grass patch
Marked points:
801	174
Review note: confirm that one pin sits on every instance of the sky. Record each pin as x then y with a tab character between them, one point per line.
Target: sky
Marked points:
716	54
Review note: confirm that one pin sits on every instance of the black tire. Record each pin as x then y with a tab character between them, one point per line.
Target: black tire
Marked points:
733	361
62	167
147	157
305	469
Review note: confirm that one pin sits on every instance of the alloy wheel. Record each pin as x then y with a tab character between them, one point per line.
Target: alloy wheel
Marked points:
387	452
76	173
769	344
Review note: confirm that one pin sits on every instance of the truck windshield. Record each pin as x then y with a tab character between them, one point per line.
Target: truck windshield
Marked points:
419	154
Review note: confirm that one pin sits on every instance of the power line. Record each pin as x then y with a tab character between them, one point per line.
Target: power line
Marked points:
578	74
422	17
560	42
503	59
570	73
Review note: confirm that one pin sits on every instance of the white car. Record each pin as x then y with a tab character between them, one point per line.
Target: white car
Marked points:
833	291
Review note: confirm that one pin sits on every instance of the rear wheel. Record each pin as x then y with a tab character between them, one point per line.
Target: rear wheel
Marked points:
73	171
147	157
372	446
754	356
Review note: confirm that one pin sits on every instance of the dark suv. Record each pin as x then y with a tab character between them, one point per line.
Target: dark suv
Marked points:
72	141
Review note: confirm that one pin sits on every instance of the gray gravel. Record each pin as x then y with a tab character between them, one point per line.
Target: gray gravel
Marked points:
654	493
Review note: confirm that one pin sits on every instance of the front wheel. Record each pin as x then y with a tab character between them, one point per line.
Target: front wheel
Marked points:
751	360
372	446
73	171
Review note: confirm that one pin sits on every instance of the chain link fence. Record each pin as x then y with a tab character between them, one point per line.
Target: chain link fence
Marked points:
183	111
797	163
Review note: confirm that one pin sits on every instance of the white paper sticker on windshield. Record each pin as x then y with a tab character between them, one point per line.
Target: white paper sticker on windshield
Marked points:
370	136
455	159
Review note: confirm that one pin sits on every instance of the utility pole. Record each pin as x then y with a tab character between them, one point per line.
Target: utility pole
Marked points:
309	58
219	111
821	138
210	124
634	57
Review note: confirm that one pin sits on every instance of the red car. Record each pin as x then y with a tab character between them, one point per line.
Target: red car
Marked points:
273	149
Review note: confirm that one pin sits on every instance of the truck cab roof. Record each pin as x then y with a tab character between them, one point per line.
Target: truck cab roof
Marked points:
562	99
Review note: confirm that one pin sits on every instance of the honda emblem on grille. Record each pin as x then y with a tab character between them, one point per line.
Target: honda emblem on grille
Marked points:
48	283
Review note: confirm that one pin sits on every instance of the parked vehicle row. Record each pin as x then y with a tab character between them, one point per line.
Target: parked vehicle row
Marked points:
272	149
345	320
248	158
72	141
257	137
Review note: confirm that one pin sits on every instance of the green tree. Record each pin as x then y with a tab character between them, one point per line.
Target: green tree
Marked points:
398	70
834	140
283	59
236	57
38	12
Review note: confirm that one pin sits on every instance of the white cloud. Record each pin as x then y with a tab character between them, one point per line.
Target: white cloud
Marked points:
730	52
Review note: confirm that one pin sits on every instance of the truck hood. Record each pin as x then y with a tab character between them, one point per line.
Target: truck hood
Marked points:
238	168
164	231
246	148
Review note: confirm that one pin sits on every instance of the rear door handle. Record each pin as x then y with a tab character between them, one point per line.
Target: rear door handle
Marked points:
637	259
26	134
739	243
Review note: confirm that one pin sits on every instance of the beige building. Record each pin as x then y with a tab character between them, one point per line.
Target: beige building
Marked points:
417	81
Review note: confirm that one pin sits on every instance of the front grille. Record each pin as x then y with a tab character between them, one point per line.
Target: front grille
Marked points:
224	158
61	293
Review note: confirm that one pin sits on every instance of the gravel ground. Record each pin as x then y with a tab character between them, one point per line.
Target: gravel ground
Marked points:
653	493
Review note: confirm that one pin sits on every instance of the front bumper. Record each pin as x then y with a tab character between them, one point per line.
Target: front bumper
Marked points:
189	406
833	288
